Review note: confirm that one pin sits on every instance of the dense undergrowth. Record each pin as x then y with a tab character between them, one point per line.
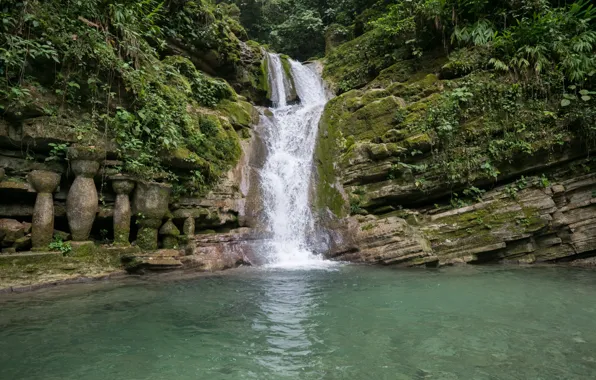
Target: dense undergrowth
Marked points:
134	71
484	92
525	38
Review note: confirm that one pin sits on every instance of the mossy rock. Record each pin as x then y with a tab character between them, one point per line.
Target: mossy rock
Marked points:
183	158
328	148
416	112
240	113
292	95
417	89
398	72
374	119
355	63
263	84
421	142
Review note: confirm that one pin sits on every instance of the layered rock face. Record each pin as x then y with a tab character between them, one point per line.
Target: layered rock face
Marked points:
537	224
416	169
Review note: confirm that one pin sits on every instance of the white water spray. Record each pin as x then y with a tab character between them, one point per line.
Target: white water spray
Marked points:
285	178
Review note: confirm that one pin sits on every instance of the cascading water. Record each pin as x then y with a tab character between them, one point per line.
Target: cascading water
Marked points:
290	137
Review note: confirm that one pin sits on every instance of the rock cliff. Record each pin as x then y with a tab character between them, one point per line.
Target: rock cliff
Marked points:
428	165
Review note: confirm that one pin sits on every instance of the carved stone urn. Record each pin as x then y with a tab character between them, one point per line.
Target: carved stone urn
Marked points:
82	200
122	185
150	205
42	226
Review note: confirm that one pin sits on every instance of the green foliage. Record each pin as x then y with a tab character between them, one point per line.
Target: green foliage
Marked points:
526	38
543	181
355	205
112	64
299	35
61	246
58	151
553	39
357	62
488	121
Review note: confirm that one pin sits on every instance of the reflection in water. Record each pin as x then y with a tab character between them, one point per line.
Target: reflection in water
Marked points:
286	323
353	322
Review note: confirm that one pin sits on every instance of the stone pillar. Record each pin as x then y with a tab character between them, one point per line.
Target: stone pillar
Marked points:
122	213
189	226
170	234
42	228
150	204
81	202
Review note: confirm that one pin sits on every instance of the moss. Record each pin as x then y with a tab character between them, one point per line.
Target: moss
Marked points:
352	100
416	112
417	88
356	62
183	153
328	148
374	119
83	249
263	84
287	67
372	95
421	142
33	268
147	238
487	225
398	72
370	120
239	113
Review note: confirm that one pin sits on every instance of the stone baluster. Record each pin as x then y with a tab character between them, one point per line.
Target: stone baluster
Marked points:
42	228
150	204
122	212
82	200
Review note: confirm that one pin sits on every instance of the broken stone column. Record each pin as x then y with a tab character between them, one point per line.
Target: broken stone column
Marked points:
42	229
170	234
150	205
122	213
187	240
189	226
81	202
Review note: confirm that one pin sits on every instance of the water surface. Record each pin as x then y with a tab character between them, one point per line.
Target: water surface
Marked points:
350	322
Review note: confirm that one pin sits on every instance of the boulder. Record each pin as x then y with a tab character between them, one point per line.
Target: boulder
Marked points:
11	230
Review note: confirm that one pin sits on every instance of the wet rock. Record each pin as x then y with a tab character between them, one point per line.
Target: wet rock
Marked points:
214	252
382	240
163	259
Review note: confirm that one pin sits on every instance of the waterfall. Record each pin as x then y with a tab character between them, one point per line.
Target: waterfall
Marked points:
290	137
